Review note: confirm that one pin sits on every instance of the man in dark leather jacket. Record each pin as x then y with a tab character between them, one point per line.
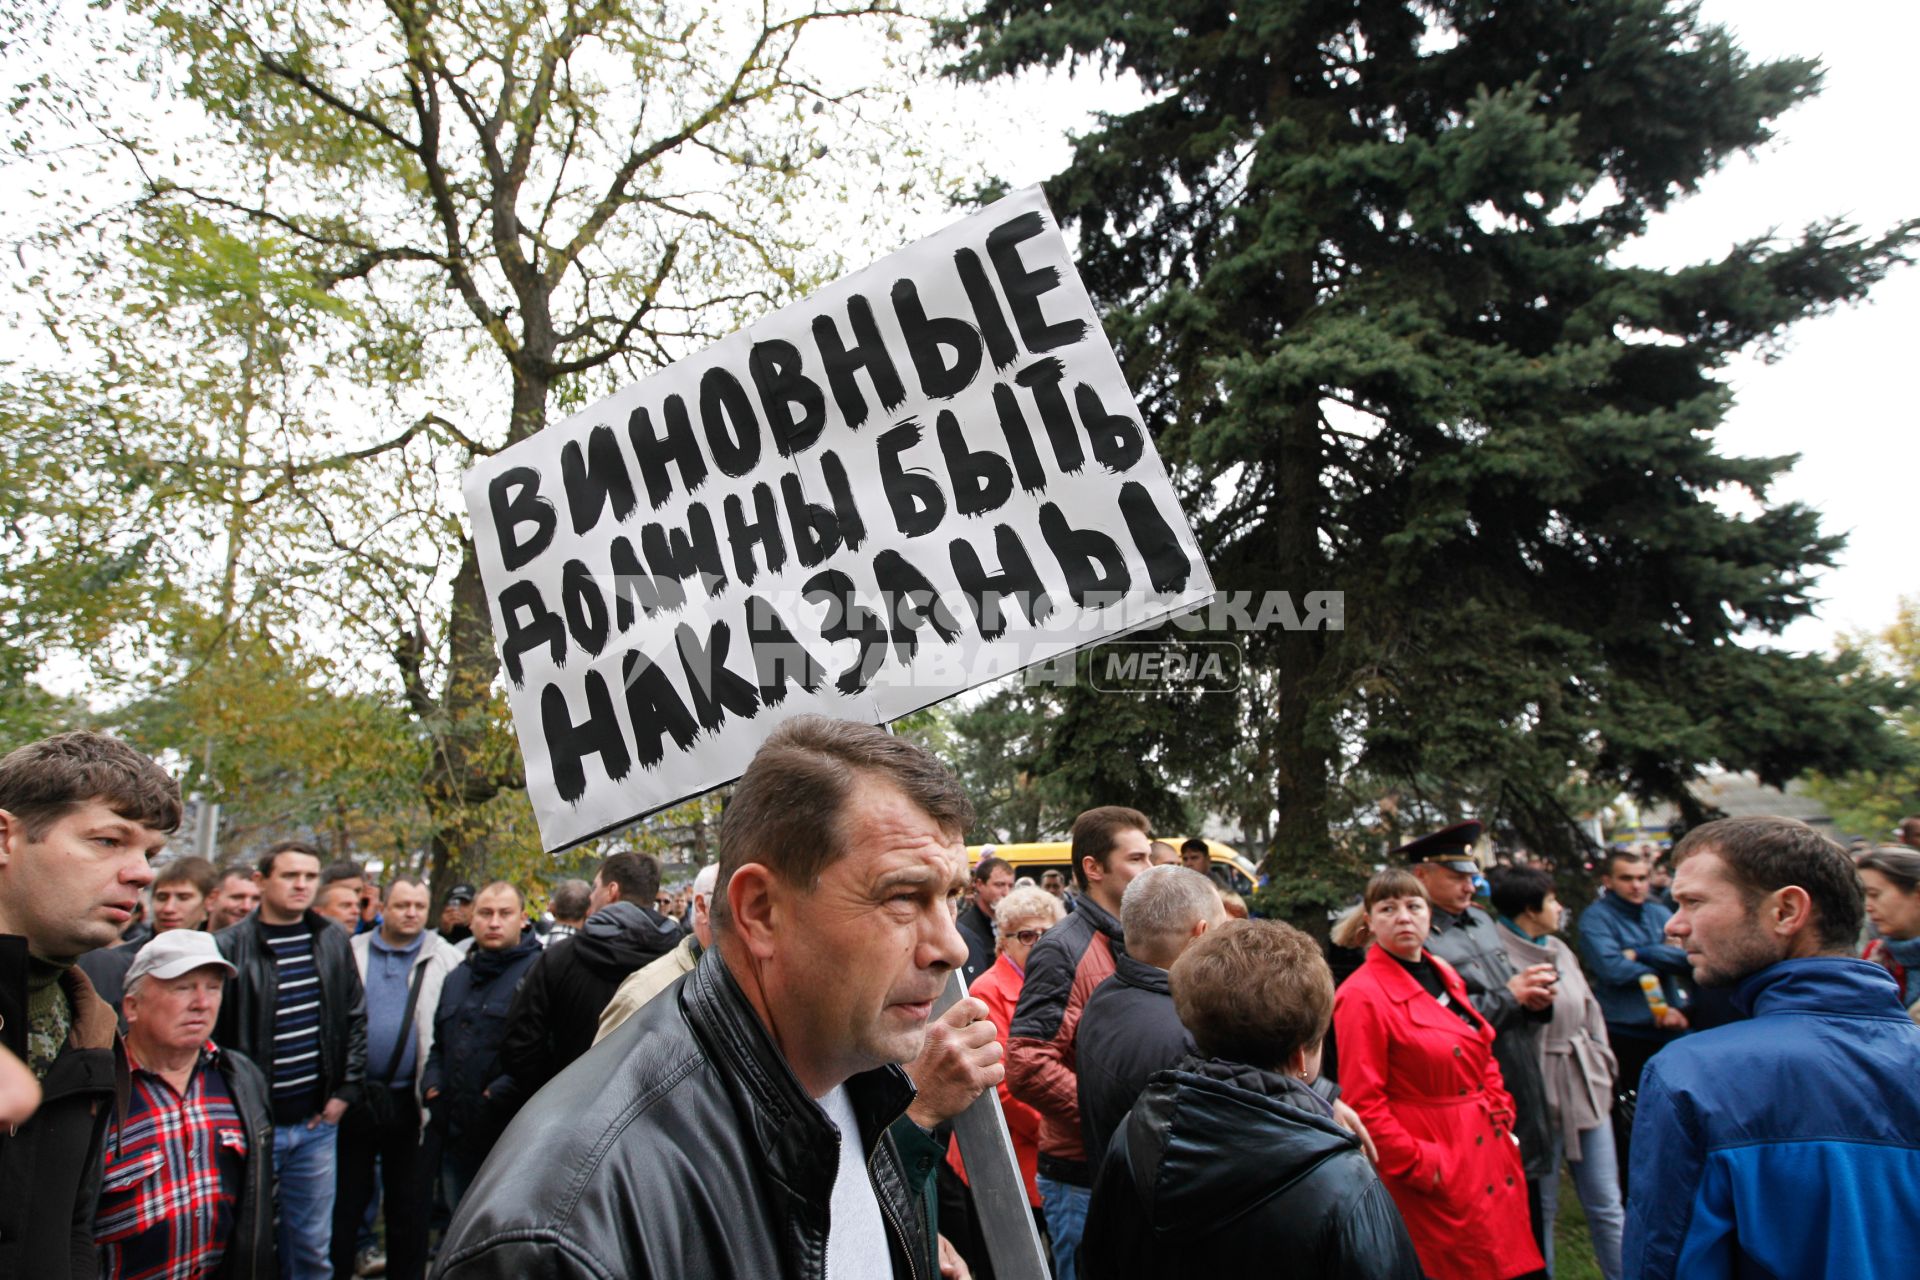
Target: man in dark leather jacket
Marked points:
709	1135
268	1023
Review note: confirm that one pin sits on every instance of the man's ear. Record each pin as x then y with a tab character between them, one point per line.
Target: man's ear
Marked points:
13	833
753	903
1789	911
613	891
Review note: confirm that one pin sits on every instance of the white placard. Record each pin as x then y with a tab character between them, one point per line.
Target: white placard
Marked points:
926	475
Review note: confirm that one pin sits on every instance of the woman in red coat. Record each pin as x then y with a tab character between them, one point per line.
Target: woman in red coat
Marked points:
1018	921
1416	1061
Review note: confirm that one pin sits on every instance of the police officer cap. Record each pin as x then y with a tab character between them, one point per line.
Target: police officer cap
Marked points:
1451	848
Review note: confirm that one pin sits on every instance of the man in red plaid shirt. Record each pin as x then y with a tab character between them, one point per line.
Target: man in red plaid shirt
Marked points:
187	1190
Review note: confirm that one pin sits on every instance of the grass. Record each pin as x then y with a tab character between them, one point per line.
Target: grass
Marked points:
1572	1248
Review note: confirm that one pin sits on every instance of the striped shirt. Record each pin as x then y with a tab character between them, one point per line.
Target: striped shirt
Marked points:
296	1023
173	1174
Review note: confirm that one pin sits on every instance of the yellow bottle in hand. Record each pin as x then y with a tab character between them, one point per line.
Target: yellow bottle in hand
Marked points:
1656	999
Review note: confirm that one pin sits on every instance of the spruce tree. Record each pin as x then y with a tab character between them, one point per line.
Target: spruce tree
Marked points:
1362	261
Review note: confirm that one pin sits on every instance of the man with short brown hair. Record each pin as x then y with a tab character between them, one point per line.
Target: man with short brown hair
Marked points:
297	1008
467	1084
234	897
1111	845
992	881
403	966
558	1006
750	1115
1787	1144
81	815
180	891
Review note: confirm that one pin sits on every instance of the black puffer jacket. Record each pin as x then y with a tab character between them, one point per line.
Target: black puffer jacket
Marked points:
1226	1170
681	1146
247	1012
557	1009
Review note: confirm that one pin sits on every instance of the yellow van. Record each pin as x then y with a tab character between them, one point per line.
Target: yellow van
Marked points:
1237	872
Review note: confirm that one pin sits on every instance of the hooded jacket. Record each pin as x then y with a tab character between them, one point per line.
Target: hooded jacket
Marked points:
683	1147
557	1009
1225	1169
1785	1145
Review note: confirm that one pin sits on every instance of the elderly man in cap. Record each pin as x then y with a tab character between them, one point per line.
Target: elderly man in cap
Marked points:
1515	1002
187	1187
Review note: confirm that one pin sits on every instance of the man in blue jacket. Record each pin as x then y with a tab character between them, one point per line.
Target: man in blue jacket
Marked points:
1788	1144
1622	937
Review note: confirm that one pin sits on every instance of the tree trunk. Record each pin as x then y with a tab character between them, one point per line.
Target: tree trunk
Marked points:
459	777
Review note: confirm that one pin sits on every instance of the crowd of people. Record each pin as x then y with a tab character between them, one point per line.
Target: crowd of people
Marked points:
284	1069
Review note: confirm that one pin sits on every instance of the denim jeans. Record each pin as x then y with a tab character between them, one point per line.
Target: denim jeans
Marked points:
1065	1206
303	1166
1596	1179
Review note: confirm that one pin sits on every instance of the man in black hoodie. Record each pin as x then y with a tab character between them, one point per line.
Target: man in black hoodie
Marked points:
557	1009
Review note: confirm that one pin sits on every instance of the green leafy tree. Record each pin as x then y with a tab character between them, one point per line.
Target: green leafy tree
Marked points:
1875	800
1362	262
411	233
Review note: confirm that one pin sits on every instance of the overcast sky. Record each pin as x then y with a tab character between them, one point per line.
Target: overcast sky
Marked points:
1840	397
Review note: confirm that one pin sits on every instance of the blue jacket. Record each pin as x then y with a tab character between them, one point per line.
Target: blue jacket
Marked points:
1613	925
477	1096
1787	1145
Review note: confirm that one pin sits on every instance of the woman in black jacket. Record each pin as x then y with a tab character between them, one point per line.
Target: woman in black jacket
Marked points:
1230	1164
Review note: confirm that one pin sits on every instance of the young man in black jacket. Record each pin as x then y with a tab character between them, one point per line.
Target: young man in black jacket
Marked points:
80	816
557	1009
466	1086
297	1009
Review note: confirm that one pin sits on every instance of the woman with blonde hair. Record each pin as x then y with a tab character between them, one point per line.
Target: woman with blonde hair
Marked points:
1416	1061
1018	921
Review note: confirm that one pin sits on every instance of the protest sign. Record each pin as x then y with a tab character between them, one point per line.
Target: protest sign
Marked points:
926	475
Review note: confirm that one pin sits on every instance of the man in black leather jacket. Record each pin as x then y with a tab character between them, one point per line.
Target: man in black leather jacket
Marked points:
269	1019
709	1136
